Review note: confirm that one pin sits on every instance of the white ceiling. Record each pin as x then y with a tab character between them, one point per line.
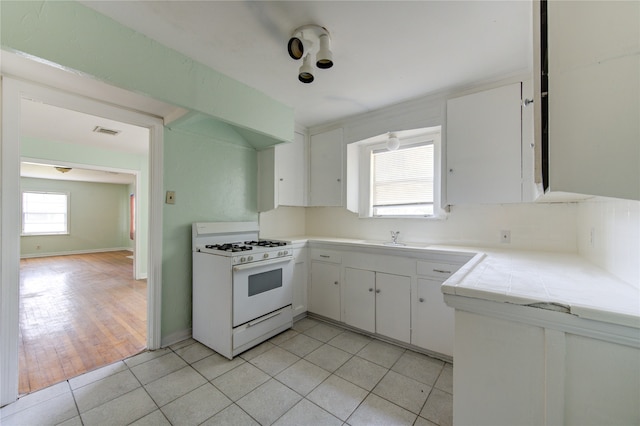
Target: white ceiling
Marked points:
385	52
51	123
47	122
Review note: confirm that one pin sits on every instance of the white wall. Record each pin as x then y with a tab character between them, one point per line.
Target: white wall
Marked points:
549	227
615	245
283	222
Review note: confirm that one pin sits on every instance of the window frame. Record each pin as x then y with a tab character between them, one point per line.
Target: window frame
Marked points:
431	135
67	213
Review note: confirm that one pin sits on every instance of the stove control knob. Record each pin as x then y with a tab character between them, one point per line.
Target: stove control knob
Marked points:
266	255
250	258
243	259
280	253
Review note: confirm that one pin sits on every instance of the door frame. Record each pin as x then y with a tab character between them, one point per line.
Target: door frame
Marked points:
12	92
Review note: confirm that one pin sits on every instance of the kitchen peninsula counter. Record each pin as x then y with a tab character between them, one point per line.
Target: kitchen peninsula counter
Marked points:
560	282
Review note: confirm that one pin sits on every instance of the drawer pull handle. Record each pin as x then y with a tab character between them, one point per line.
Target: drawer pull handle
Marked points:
324	256
442	271
259	320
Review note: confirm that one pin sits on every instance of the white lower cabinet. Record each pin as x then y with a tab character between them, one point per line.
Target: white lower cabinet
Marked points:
433	325
360	299
393	306
386	292
528	366
325	289
378	303
299	282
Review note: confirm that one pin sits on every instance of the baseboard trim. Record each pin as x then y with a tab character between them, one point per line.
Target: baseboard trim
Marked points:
67	253
175	337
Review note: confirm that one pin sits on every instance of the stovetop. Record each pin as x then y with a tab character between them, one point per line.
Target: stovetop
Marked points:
238	240
246	246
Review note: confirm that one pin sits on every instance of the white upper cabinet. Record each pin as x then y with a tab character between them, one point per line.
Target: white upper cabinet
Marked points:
291	172
484	147
593	57
282	175
326	168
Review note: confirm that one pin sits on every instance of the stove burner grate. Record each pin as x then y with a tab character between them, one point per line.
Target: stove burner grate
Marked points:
266	243
229	247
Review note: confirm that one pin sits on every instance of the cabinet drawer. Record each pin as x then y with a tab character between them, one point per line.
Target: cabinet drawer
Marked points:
438	270
326	256
260	327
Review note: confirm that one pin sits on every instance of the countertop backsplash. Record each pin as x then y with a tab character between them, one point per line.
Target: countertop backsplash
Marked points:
604	231
609	236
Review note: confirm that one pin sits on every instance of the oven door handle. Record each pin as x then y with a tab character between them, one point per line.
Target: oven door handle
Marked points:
262	263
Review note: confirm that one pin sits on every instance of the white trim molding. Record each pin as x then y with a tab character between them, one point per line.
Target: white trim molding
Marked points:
13	91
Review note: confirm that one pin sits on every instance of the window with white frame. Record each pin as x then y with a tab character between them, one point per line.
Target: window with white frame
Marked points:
45	213
403	182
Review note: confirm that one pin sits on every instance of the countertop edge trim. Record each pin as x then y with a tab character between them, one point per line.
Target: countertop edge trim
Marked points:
566	322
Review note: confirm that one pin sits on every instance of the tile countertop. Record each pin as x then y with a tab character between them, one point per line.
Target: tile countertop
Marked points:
563	282
557	281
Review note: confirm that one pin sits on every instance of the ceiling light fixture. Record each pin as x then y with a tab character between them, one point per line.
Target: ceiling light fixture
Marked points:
304	42
305	74
393	142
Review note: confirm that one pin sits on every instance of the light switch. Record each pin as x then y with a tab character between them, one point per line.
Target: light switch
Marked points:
171	197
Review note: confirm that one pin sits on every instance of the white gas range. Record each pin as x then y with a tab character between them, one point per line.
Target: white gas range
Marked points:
242	286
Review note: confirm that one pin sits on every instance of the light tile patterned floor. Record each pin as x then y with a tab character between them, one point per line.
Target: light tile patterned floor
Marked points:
314	374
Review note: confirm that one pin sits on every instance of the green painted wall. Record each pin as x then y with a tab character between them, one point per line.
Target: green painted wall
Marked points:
214	175
214	181
74	36
98	218
91	156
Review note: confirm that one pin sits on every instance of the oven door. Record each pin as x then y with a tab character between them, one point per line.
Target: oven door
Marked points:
260	288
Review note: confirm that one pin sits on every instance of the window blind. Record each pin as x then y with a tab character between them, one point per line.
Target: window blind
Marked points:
403	177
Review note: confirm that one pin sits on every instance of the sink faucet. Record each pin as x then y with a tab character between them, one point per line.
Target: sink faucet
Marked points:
394	236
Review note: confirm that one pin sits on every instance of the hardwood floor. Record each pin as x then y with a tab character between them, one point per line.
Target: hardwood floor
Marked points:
78	313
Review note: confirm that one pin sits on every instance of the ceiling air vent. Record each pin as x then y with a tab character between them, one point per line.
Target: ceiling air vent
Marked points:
106	131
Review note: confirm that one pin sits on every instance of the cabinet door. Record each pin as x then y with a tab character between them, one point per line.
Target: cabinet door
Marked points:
393	306
325	289
594	92
291	171
484	147
433	328
359	299
326	168
299	282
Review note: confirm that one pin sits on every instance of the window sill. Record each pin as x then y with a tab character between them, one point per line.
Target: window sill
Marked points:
442	216
44	234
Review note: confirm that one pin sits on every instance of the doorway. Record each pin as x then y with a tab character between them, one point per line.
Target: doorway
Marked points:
81	306
13	92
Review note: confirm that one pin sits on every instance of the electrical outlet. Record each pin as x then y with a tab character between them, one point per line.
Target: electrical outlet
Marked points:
171	197
505	236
